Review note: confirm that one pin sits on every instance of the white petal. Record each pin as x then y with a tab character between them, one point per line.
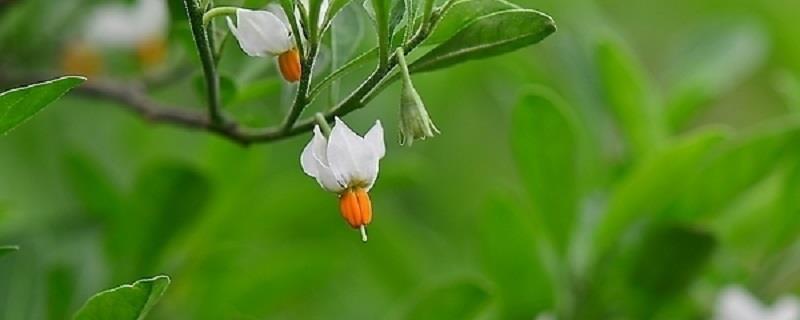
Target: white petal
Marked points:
260	33
315	149
350	158
735	303
374	138
123	26
277	10
787	308
327	180
314	161
152	18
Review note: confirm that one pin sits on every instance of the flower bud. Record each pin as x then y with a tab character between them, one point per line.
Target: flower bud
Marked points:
415	124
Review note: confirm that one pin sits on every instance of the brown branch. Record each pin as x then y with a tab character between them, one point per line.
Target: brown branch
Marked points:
134	97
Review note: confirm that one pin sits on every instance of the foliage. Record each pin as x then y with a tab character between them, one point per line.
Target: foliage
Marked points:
20	104
132	301
624	167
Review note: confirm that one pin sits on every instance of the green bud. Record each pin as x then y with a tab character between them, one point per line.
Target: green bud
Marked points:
415	123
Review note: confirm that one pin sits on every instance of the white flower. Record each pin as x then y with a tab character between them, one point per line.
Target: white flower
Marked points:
735	303
118	25
346	164
546	316
261	33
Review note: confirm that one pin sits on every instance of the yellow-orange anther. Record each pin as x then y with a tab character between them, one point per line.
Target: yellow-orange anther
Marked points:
81	59
289	63
151	52
356	207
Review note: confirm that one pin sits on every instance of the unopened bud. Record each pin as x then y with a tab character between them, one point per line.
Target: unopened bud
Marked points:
415	123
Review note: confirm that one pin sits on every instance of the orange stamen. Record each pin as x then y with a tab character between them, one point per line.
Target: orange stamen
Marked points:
356	207
151	52
289	63
80	59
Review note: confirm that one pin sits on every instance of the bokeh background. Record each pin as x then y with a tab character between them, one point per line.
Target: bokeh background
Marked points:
97	197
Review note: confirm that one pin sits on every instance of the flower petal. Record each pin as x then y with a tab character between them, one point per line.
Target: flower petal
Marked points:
351	160
260	33
327	180
314	161
374	138
122	26
786	308
736	303
314	150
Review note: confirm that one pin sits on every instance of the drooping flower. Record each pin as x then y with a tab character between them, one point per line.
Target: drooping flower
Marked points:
415	123
346	164
735	303
119	25
141	27
262	33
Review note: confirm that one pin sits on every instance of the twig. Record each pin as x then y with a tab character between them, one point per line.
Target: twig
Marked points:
203	43
134	97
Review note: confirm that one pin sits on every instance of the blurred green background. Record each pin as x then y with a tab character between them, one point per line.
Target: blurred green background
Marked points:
627	167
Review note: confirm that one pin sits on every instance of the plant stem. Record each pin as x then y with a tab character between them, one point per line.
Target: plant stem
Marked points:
323	124
384	38
201	40
401	61
427	11
216	12
288	8
133	97
301	97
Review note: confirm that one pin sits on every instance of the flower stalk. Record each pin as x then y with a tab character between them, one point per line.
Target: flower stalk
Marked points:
201	40
218	12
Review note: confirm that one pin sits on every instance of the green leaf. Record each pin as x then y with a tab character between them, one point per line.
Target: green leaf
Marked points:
227	87
348	30
509	254
713	61
741	164
249	3
93	188
345	69
666	261
126	302
20	104
459	15
256	90
4	250
546	149
313	10
177	11
788	85
335	7
654	184
488	36
631	100
382	11
61	283
458	300
396	15
463	12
